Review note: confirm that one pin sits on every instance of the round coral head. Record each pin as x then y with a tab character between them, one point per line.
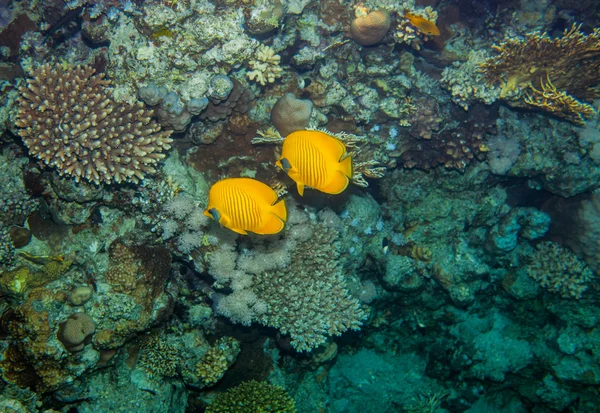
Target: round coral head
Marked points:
370	29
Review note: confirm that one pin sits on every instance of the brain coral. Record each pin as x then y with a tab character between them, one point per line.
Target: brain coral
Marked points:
69	121
371	28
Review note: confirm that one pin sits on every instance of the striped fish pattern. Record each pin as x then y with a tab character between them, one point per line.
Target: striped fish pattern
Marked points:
246	205
317	160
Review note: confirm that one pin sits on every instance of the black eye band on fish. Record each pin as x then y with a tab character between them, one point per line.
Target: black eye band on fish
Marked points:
385	245
285	164
215	214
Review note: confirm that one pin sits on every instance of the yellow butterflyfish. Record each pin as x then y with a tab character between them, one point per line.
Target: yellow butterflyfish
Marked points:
316	159
244	204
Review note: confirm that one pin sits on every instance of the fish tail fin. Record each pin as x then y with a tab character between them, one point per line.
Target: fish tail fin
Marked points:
345	166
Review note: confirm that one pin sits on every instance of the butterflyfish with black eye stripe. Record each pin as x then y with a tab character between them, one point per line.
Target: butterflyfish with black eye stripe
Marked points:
246	205
317	160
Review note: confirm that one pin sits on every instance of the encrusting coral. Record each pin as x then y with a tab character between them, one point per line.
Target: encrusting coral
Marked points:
549	73
69	120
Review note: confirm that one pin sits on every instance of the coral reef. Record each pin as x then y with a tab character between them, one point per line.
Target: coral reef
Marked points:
369	28
253	397
559	270
97	140
549	74
265	66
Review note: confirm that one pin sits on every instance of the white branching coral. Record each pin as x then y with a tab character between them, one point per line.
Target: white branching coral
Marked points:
265	67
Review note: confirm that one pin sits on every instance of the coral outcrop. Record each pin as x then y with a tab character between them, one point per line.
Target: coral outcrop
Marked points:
69	120
550	74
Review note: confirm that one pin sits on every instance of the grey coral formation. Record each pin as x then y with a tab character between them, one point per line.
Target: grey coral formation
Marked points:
68	119
290	114
309	301
295	284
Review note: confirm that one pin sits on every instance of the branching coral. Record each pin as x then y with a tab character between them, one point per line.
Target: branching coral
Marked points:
559	270
69	120
217	360
265	68
253	397
309	300
550	74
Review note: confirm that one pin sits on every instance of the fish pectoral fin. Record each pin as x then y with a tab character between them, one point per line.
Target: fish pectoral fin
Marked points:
337	185
273	226
300	187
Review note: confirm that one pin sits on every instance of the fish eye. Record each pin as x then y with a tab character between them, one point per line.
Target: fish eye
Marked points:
215	214
285	164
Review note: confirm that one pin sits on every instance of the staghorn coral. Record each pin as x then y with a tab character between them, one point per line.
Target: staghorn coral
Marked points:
253	397
265	67
69	121
548	73
559	270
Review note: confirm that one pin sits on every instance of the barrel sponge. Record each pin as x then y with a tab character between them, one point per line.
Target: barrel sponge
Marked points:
290	114
370	29
76	331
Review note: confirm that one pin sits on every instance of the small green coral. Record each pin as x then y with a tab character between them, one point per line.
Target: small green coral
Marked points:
253	397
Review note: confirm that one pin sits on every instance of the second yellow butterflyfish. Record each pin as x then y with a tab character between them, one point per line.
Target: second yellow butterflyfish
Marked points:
316	159
244	204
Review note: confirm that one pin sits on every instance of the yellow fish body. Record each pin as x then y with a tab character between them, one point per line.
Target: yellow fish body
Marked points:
316	159
244	204
421	23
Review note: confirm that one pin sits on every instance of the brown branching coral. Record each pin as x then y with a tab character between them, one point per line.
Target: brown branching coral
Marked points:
550	74
69	121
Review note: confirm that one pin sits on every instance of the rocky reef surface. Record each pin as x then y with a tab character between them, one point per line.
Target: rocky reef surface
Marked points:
456	273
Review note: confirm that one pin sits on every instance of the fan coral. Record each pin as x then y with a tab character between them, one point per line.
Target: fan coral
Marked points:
69	121
253	397
550	74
